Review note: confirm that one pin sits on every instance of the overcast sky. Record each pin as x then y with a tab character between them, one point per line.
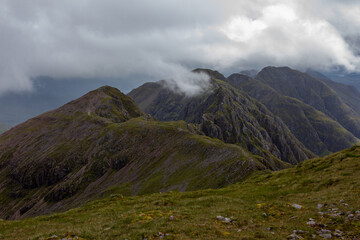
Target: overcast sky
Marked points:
166	38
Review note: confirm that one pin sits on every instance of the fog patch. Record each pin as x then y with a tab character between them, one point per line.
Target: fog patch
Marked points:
188	83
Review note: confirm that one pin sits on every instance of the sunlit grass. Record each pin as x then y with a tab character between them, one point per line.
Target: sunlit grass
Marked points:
260	208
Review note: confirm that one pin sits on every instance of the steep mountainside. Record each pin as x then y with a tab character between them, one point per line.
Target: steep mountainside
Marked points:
348	93
268	205
227	114
314	129
311	91
103	142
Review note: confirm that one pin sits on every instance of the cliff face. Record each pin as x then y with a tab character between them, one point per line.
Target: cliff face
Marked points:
225	113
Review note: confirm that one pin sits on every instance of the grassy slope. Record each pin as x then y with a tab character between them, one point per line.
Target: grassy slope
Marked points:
260	207
97	144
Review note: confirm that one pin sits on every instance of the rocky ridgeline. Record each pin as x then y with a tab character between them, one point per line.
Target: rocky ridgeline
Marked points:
333	221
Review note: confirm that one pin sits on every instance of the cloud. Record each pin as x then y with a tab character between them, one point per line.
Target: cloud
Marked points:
188	83
165	39
281	36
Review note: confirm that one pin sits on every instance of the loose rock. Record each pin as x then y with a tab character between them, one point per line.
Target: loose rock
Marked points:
297	206
294	236
325	235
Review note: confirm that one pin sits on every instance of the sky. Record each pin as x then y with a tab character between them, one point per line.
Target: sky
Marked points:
165	39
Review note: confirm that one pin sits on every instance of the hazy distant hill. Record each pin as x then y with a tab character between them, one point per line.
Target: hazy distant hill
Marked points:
351	79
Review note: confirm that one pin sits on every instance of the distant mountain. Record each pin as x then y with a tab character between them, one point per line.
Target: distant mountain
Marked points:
314	129
312	91
345	78
225	113
103	141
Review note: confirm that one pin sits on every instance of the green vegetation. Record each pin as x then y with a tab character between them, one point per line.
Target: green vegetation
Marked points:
102	143
261	207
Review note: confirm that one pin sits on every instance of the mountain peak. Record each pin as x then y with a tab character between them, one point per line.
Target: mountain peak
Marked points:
211	73
107	102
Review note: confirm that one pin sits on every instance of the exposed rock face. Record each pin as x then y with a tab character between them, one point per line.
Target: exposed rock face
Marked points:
226	113
66	157
314	129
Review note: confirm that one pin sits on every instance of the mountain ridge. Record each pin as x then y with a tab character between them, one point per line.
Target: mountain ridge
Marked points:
311	91
76	153
318	132
225	113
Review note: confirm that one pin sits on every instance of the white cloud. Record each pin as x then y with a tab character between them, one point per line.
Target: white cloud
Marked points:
280	36
242	29
166	38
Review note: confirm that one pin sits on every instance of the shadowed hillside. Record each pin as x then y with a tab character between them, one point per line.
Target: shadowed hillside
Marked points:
313	92
314	129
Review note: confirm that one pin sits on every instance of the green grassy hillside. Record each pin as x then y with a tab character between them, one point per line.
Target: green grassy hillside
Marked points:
316	198
102	142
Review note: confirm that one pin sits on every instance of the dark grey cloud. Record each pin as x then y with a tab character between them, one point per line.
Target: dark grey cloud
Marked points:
167	38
